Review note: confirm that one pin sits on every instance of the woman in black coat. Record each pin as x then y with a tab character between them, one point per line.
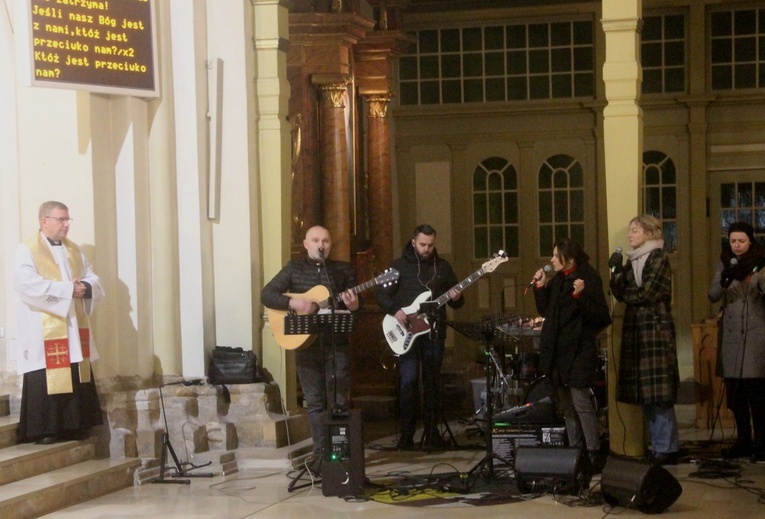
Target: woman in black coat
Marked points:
575	311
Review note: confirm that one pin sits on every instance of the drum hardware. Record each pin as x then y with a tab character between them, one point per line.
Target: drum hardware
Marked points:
485	332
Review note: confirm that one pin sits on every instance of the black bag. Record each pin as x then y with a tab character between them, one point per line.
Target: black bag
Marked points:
233	366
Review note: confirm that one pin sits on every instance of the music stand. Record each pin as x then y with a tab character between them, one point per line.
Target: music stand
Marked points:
334	323
168	447
339	322
483	331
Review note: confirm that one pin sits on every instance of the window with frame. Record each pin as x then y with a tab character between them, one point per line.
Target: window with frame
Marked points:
737	49
561	202
742	202
495	208
547	60
662	54
660	194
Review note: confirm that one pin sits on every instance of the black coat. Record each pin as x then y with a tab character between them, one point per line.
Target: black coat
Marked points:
568	345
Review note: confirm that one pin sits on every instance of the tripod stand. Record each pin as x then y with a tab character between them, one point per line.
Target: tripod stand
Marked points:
330	324
168	447
483	331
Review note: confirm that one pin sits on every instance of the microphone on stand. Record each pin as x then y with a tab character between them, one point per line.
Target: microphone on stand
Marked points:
727	277
321	253
547	269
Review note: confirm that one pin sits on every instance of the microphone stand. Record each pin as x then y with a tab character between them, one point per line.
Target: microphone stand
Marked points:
168	447
337	410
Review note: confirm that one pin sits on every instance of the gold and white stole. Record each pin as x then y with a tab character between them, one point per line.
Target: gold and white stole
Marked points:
55	331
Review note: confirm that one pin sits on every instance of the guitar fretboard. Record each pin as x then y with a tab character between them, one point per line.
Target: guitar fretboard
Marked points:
357	289
462	285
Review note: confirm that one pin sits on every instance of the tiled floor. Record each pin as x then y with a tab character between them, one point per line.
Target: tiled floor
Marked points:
263	493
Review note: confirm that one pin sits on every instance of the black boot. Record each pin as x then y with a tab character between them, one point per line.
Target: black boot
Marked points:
405	442
742	448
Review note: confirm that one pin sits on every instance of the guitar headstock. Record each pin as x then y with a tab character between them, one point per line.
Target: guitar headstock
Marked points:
495	261
388	278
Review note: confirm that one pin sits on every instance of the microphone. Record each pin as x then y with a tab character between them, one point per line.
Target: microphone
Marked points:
547	269
726	276
618	254
321	252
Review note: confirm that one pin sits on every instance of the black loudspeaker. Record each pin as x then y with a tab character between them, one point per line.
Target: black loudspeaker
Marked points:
562	470
342	467
635	484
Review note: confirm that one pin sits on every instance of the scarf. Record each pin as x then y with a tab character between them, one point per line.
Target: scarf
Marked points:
750	261
639	256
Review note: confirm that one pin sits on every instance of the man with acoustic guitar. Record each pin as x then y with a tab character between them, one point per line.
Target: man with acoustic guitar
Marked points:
322	366
421	270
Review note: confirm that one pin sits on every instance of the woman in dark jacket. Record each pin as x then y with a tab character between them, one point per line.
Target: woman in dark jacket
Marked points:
739	283
648	373
575	311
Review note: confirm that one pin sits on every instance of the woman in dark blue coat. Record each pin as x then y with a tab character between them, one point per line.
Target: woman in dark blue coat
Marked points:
575	311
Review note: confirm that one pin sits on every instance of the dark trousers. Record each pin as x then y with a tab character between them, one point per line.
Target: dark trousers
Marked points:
323	374
746	398
423	361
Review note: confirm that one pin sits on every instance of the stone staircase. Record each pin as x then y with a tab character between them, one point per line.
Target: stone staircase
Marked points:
38	479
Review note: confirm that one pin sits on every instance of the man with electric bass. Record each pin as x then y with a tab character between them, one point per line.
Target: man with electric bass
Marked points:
421	270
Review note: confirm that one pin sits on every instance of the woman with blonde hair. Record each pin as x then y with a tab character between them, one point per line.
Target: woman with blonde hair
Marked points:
647	373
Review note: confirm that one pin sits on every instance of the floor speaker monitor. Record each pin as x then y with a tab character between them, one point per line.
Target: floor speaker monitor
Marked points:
342	467
635	484
563	470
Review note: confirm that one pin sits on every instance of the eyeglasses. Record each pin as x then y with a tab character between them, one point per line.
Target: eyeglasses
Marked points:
60	219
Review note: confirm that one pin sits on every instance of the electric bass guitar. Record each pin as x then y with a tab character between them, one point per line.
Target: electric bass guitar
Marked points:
319	295
401	339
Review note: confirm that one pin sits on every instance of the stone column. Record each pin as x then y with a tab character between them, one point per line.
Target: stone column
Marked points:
379	178
333	147
623	140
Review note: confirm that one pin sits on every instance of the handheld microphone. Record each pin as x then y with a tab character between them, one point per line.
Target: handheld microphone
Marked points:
547	269
617	251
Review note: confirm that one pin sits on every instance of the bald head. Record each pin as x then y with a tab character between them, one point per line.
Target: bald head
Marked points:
315	238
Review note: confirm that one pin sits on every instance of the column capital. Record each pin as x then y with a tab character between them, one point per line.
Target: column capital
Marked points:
378	105
332	88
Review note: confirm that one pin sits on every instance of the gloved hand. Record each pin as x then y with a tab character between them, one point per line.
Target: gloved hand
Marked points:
615	261
726	277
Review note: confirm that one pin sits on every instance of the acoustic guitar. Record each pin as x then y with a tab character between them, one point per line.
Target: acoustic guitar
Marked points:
319	295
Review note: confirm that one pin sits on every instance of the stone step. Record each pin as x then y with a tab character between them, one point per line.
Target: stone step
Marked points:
8	426
26	460
57	489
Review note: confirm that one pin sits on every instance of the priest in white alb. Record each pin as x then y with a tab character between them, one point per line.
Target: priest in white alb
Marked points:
57	292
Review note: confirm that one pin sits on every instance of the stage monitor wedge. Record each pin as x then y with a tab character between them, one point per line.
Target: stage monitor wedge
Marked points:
635	484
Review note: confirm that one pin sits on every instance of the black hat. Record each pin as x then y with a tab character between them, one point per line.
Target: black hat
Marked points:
742	227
